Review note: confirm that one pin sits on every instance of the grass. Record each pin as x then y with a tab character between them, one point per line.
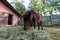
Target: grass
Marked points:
17	33
53	32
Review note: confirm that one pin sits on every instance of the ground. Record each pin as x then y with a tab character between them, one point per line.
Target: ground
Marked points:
17	33
54	32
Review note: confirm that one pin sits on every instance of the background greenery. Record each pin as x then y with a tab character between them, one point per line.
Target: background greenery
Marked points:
44	7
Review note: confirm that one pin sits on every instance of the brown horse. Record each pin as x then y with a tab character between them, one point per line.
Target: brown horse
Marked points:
32	18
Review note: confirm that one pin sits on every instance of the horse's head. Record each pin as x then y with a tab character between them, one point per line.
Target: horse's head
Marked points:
26	18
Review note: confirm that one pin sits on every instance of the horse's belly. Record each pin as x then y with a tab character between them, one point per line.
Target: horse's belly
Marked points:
39	19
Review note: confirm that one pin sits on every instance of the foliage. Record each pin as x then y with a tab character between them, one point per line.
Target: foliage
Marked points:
44	6
37	5
19	6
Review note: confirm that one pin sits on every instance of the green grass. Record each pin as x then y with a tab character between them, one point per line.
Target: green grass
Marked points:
17	33
53	32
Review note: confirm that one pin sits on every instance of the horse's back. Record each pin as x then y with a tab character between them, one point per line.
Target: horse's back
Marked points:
38	17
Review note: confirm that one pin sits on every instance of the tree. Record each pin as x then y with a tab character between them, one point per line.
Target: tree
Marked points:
45	6
53	5
39	6
19	6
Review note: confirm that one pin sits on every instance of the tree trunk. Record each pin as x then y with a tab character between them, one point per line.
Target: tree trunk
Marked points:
51	17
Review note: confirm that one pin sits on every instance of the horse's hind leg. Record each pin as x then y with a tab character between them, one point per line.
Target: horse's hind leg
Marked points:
34	23
34	26
41	25
38	26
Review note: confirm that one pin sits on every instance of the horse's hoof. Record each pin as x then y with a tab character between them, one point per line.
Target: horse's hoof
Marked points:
42	28
34	27
38	28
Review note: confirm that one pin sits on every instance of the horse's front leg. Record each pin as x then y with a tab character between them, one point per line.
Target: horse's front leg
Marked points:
31	25
25	28
34	25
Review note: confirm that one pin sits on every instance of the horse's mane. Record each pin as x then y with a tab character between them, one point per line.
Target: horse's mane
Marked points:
28	12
